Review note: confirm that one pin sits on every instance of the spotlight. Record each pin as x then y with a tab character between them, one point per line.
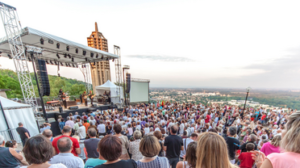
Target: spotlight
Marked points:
29	59
61	64
72	59
83	52
57	45
47	62
65	55
50	41
76	50
67	48
58	56
9	56
73	65
97	55
69	55
92	55
76	66
102	57
42	41
86	59
55	63
51	62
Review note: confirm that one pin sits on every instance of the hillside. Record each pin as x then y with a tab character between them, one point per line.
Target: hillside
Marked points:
9	80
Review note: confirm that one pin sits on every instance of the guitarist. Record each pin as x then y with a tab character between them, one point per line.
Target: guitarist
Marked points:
84	97
64	99
91	96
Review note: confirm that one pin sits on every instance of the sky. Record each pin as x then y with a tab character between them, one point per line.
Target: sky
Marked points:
181	43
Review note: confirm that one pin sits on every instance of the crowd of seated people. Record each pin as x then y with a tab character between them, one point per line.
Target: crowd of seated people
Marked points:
163	136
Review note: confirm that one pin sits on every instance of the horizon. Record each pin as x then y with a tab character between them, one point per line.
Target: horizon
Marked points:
213	44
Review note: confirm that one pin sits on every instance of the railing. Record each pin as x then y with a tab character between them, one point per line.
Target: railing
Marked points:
11	134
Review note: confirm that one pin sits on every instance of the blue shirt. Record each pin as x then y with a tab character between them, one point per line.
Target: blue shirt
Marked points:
68	159
91	162
43	129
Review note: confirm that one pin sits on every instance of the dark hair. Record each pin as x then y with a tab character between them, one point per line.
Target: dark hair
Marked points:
10	144
232	131
92	132
20	124
110	147
67	129
174	129
157	134
117	128
194	135
64	144
38	150
250	146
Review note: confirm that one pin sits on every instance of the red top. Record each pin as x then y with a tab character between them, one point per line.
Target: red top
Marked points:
246	160
74	140
263	117
207	119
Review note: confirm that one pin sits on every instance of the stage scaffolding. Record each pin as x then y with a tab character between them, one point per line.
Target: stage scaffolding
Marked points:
12	28
54	50
118	68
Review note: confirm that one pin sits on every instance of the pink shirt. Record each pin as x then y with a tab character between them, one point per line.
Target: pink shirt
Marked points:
268	148
286	160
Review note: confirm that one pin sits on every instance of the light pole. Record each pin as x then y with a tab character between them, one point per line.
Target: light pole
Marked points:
125	67
248	90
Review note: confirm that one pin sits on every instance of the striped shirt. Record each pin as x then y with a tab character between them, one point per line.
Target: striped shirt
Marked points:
159	162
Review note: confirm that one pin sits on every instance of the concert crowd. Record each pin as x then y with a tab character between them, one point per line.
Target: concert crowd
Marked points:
163	136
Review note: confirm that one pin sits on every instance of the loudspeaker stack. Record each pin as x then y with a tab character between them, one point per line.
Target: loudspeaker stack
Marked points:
128	79
43	77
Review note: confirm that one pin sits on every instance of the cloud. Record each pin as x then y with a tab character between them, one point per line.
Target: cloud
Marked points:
161	58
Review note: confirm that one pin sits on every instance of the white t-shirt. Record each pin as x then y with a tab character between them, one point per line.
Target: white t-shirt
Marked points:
59	165
101	128
147	130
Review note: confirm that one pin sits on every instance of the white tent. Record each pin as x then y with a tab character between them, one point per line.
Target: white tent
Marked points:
116	92
17	112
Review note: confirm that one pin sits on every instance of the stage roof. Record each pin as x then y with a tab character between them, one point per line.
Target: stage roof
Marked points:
33	37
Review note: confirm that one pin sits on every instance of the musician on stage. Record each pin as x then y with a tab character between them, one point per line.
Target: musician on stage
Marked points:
84	96
91	96
64	99
60	92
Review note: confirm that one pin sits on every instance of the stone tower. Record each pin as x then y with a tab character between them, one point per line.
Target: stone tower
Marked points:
100	71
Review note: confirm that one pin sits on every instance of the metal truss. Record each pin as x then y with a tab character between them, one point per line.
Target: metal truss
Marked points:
118	68
85	69
13	28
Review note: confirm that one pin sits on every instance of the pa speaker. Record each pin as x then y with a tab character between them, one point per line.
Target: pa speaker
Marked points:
60	109
73	107
43	77
128	79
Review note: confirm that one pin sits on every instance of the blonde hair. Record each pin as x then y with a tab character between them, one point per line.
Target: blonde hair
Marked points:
149	146
212	151
290	140
276	140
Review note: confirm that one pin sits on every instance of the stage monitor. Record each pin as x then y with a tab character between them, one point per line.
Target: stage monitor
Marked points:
139	91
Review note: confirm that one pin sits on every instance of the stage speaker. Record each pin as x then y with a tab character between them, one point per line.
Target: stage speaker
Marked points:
60	109
43	77
128	79
73	107
94	105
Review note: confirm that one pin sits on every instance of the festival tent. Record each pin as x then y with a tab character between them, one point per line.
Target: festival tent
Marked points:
115	91
14	113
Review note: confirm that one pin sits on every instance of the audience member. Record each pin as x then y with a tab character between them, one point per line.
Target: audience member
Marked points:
23	132
67	130
232	143
38	151
190	158
91	143
172	145
246	158
65	156
150	147
111	150
134	146
9	156
48	134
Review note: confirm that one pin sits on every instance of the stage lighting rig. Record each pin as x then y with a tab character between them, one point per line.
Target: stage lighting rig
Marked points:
51	62
55	62
57	56
47	62
61	64
69	55
42	41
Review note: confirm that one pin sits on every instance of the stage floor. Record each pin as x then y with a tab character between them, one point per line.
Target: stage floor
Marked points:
80	106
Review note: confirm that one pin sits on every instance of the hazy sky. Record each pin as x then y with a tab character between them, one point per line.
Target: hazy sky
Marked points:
185	43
